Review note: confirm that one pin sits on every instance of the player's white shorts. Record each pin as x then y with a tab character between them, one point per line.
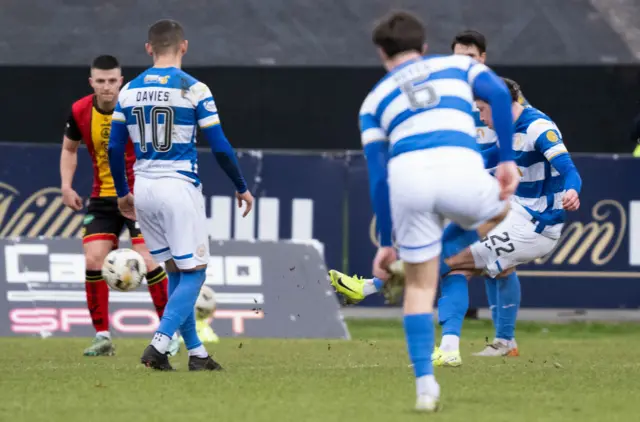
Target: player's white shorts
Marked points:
511	243
172	219
428	186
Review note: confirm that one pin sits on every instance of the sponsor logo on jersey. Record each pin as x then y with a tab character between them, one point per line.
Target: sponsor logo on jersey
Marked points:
151	79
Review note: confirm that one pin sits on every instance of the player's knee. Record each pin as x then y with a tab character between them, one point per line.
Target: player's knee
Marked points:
93	259
146	256
95	252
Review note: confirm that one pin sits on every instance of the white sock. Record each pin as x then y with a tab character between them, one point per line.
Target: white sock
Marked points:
450	343
369	288
161	342
428	385
105	334
199	351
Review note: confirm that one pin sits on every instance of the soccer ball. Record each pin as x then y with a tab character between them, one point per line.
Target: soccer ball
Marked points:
124	269
206	303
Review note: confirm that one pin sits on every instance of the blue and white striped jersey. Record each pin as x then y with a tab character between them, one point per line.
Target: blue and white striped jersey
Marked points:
424	103
486	136
161	108
537	141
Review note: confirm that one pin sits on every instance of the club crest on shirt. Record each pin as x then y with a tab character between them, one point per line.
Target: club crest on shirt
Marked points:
551	136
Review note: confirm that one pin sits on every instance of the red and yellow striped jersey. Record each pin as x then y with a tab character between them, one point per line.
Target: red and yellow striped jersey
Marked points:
87	122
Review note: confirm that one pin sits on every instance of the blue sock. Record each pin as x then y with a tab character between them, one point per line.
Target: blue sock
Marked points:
453	303
418	329
378	283
174	280
508	306
491	287
181	302
189	333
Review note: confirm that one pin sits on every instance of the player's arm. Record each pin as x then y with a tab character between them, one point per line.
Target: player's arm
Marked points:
117	146
549	142
69	164
488	87
491	156
117	164
225	155
376	151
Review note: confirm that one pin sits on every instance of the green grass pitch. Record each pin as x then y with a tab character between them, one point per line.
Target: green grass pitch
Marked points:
574	372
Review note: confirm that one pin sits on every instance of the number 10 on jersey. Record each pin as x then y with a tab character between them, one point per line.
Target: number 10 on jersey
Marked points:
160	124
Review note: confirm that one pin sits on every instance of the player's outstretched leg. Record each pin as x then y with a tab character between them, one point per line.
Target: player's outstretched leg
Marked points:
420	291
508	304
354	288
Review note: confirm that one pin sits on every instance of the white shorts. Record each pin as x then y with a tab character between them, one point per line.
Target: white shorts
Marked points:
511	243
428	186
172	219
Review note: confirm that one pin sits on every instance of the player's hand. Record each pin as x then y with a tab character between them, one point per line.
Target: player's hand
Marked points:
71	199
508	177
383	260
247	198
126	207
571	200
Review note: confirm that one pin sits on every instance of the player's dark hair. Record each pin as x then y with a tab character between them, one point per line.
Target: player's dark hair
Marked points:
105	62
165	35
470	38
514	89
399	32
